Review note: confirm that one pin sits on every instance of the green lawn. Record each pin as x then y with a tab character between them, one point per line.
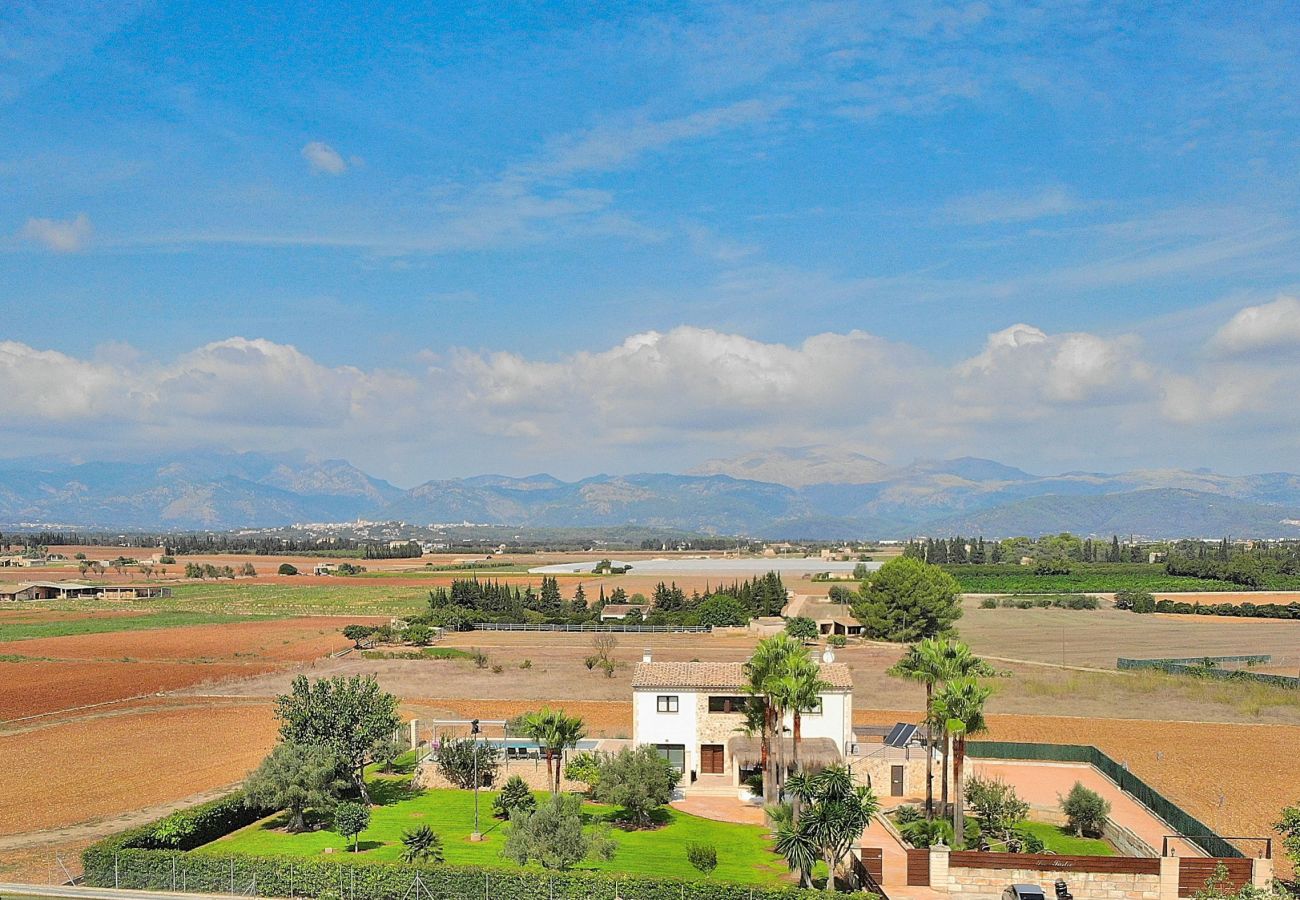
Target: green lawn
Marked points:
743	851
1064	843
19	631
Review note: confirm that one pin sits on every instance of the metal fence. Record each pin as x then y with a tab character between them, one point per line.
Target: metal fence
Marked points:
613	626
1196	831
1207	667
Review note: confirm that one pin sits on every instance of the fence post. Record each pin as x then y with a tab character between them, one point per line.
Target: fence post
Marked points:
116	879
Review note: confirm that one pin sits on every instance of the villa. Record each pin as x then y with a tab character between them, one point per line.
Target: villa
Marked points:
693	712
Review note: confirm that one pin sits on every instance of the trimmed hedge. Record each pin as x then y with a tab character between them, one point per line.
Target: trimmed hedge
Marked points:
278	876
152	857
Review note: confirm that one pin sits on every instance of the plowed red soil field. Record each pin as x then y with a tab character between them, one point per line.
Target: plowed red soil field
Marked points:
273	640
105	766
32	688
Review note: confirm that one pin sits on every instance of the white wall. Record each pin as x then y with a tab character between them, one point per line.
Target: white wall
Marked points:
652	727
835	721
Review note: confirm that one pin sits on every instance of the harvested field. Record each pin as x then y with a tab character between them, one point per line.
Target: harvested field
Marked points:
100	767
1096	637
36	687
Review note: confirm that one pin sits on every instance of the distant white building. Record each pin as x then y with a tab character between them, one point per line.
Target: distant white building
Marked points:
692	712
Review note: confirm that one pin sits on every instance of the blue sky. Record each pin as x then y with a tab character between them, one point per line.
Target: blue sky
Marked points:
656	226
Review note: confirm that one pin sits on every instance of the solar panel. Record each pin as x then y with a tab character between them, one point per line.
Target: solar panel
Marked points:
901	735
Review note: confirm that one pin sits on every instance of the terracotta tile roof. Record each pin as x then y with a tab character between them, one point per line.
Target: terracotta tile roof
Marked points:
718	675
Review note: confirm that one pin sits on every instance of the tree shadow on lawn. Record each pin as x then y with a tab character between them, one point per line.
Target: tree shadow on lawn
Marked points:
623	820
362	847
388	791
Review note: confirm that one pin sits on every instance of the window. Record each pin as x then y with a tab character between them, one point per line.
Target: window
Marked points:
727	704
816	710
666	703
674	753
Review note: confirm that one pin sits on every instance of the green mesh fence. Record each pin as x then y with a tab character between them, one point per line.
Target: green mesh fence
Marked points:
1206	667
1181	822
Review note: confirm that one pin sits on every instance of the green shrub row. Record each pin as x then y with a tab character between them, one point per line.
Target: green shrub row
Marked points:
1060	601
188	828
1082	577
273	876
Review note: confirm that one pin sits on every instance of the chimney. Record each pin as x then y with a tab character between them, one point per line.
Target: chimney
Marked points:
828	655
646	655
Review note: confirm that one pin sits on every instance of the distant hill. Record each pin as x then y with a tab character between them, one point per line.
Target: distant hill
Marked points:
857	496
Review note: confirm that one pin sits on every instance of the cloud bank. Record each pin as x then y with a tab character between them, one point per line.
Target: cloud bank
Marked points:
667	399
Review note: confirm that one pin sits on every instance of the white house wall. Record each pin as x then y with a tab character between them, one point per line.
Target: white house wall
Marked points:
649	726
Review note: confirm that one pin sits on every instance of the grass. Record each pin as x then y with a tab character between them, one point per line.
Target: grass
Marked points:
1060	841
743	850
351	597
20	631
419	653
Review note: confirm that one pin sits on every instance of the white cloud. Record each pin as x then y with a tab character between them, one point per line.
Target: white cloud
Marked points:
997	207
1269	326
657	398
60	235
324	158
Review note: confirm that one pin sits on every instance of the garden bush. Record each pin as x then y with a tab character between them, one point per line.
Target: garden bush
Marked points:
702	856
1086	810
515	794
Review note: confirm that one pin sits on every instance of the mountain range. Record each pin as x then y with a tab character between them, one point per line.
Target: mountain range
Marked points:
803	492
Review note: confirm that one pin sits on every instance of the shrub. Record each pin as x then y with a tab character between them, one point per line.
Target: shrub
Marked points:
526	664
497	668
287	569
480	658
702	856
906	813
590	662
926	832
1136	601
421	844
583	767
419	635
989	603
1086	810
515	794
837	640
997	807
454	760
551	834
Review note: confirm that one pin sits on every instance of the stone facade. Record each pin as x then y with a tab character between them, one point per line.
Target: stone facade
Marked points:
988	884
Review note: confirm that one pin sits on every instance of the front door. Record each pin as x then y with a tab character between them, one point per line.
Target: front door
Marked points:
711	762
895	781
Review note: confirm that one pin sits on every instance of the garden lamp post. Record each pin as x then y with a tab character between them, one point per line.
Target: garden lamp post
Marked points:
473	733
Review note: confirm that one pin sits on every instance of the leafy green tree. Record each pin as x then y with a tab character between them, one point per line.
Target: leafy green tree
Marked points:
999	810
515	794
960	704
350	819
421	844
553	835
296	778
638	781
907	600
721	611
555	732
802	628
358	633
455	761
1085	809
348	716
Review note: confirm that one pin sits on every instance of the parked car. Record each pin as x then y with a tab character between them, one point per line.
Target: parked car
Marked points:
1023	892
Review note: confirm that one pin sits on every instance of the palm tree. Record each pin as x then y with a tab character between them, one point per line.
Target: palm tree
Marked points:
763	669
960	703
798	689
932	662
554	732
837	811
800	851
